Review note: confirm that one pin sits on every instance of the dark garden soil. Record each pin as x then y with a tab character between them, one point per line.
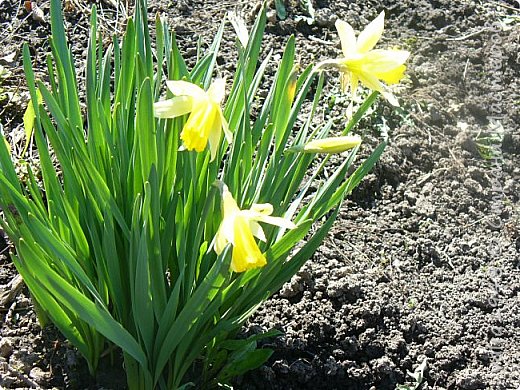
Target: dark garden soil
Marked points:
424	260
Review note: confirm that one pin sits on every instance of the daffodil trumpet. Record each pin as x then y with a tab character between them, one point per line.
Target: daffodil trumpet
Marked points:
206	121
376	69
240	227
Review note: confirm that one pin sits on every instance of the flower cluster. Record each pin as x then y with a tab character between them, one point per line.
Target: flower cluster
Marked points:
179	211
374	68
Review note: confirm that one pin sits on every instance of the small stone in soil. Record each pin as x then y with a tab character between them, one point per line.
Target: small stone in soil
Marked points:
6	347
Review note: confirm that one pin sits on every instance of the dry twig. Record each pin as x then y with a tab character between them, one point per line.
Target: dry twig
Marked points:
10	291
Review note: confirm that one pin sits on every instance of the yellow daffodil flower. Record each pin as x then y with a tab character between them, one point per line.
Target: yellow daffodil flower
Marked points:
240	227
206	121
332	144
362	64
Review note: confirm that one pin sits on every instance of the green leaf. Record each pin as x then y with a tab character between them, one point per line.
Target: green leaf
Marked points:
234	345
92	313
281	12
245	362
194	307
63	57
145	137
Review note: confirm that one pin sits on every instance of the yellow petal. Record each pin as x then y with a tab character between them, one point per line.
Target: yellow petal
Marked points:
217	90
220	239
262	213
181	87
381	61
257	230
368	38
371	81
225	234
230	210
277	221
172	108
333	144
390	98
246	254
229	205
262	208
347	37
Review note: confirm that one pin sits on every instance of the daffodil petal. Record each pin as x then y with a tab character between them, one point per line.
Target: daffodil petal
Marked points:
371	81
172	108
229	205
220	241
227	228
181	87
389	96
262	208
217	90
262	213
257	230
380	61
225	234
347	37
368	38
277	221
225	127
230	210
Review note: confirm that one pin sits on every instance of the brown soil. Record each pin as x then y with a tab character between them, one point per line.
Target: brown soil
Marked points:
424	260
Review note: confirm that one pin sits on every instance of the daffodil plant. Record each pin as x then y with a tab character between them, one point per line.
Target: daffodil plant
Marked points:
167	212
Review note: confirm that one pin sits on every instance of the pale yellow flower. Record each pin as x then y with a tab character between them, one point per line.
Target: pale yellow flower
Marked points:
332	144
240	227
206	121
370	67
